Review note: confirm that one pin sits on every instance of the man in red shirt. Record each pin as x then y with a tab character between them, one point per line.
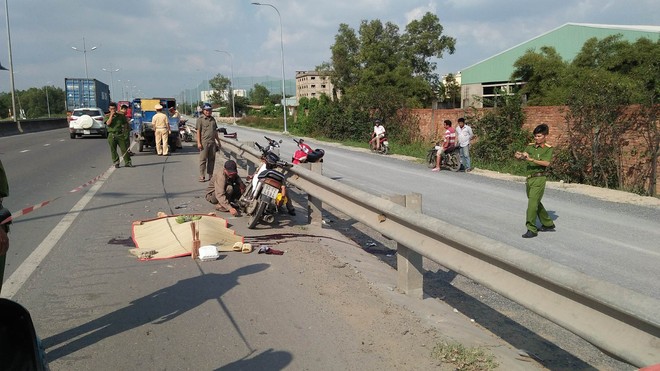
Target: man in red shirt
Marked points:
448	143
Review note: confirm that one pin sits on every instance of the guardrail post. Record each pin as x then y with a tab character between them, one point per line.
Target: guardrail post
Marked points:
314	205
410	276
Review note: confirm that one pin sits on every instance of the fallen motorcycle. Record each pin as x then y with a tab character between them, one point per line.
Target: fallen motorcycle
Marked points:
304	153
450	159
263	196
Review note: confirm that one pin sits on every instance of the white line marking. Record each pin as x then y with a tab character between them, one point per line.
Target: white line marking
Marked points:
25	270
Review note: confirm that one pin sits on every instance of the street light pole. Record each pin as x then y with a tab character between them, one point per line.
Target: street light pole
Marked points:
231	91
282	54
11	73
47	102
84	51
112	80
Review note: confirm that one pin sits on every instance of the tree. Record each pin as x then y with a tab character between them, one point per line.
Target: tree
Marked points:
380	71
221	87
543	75
258	95
451	91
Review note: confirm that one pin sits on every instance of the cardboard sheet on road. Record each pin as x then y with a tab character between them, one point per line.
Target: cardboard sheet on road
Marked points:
164	238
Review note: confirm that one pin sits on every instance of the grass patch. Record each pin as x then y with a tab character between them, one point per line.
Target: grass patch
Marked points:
467	359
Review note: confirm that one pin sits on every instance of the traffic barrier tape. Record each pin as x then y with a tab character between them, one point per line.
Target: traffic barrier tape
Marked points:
32	208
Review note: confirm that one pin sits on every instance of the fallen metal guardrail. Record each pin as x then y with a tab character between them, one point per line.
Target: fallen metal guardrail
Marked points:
619	321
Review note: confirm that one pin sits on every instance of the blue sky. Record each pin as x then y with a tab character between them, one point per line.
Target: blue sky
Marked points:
162	47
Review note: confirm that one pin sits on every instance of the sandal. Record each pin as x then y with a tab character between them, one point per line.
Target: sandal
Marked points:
202	179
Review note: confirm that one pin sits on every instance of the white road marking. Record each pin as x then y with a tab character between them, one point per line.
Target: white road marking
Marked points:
25	270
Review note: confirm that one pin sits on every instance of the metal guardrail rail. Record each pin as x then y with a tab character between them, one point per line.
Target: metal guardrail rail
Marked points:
619	321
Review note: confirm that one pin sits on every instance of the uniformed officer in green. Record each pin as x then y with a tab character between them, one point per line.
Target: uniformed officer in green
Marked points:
118	132
538	156
4	240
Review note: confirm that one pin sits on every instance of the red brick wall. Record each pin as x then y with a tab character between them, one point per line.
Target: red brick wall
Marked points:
430	123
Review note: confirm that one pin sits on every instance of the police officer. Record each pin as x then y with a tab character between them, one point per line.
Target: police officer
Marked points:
118	132
207	137
538	155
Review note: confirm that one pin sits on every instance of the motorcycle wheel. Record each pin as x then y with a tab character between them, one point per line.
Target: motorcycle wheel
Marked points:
430	158
255	218
454	163
384	150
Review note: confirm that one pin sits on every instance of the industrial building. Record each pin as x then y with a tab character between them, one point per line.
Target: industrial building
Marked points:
492	76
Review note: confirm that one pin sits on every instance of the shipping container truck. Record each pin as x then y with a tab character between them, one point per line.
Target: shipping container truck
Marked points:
86	93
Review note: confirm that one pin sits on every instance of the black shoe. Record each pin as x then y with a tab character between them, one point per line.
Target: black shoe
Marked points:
529	234
116	166
129	165
292	212
547	229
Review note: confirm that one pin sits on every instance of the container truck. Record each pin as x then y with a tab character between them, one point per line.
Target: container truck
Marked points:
86	93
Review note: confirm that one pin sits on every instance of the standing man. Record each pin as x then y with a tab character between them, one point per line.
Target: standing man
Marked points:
124	111
448	143
538	155
379	132
464	134
118	132
225	188
207	137
174	114
162	131
4	228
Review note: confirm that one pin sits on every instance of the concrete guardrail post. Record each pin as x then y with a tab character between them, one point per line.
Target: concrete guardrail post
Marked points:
410	274
314	205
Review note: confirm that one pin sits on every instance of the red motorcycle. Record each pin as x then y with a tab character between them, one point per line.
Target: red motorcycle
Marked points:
305	153
384	145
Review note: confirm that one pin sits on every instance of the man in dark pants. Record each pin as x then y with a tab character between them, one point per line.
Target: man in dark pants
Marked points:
207	137
538	156
224	188
4	228
118	132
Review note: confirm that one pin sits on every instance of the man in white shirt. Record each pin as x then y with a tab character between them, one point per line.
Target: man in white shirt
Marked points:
379	132
465	135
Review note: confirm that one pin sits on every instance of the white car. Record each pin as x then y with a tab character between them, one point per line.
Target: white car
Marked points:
87	121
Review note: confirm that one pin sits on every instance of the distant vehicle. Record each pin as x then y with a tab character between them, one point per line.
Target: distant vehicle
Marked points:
129	112
143	113
87	121
82	93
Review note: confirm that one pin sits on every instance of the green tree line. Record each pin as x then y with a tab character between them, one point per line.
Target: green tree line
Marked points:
35	102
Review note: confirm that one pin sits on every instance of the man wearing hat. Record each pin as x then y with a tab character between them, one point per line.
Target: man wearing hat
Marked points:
207	137
162	131
225	188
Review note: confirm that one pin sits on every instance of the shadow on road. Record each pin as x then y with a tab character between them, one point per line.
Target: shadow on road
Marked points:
156	308
269	359
468	297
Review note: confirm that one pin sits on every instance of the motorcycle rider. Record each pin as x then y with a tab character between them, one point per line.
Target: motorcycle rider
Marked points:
269	162
225	188
379	132
448	144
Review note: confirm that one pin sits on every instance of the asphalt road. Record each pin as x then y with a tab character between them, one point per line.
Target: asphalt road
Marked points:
610	241
98	308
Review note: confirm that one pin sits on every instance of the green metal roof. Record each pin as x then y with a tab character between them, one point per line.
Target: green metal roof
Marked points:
567	40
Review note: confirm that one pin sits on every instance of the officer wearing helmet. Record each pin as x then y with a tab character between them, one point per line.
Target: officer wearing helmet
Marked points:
207	142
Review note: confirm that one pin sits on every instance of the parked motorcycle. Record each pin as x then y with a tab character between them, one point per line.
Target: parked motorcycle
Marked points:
273	146
384	146
185	132
304	153
450	159
263	197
